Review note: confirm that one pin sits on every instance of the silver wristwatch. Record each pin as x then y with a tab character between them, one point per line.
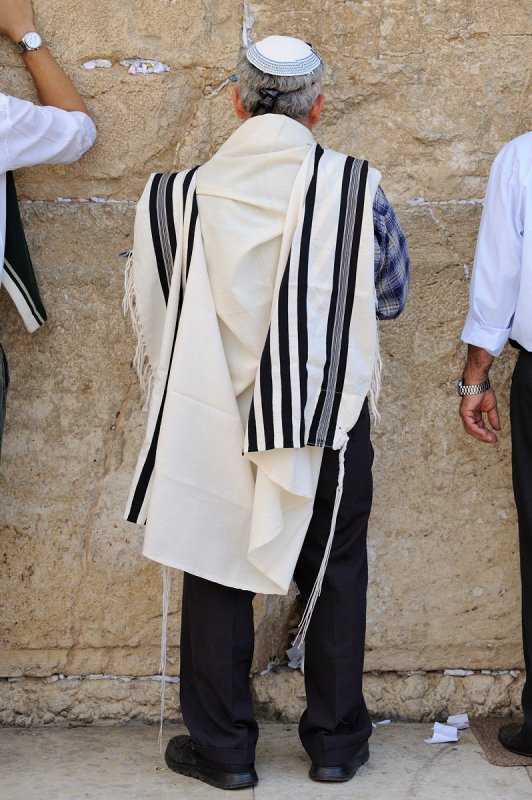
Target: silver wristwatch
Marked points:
30	41
475	388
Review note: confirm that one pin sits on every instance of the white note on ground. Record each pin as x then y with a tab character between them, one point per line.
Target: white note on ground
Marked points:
460	721
443	733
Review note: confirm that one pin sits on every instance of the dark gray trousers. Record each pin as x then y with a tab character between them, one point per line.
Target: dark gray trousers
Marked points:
217	635
521	422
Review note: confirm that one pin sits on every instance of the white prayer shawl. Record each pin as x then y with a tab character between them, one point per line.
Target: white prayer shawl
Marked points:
226	492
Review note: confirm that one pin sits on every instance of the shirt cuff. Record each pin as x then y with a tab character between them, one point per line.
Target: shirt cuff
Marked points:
87	127
490	339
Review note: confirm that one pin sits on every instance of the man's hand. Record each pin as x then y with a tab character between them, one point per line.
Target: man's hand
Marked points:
473	406
472	409
16	18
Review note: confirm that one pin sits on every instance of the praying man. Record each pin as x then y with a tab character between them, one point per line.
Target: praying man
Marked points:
255	285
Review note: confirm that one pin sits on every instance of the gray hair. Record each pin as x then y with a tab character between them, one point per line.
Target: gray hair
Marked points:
297	93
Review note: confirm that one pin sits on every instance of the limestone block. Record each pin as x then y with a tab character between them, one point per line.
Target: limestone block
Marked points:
398	76
421	697
278	695
72	394
427	95
141	119
275	616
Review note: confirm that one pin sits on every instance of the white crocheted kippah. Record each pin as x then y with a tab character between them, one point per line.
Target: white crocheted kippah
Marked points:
283	55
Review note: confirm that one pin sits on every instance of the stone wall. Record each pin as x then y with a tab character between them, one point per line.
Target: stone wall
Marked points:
428	91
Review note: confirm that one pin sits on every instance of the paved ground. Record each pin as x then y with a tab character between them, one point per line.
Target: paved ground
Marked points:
124	764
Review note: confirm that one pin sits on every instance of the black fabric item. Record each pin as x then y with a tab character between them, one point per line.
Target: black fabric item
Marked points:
515	739
267	101
342	772
17	259
521	423
181	757
336	721
4	386
302	284
516	345
217	641
217	635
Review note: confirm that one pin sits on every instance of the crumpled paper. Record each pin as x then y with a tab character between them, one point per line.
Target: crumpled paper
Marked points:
296	657
97	63
443	733
460	721
144	66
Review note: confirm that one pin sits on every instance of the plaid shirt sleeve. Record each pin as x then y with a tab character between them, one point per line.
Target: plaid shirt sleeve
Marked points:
392	262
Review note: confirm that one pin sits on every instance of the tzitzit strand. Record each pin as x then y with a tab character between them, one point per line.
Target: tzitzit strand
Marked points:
316	589
167	583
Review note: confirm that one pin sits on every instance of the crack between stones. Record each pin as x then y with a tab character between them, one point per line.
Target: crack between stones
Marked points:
419	201
448	238
513	673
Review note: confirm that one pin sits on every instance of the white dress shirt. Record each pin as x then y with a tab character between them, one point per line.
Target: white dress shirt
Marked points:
500	304
32	134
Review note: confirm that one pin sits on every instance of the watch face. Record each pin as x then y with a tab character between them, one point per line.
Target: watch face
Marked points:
32	40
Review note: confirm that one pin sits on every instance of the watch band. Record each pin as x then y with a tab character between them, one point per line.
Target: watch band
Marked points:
475	388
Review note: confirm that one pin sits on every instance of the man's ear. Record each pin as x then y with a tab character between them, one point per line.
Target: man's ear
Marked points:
316	109
239	107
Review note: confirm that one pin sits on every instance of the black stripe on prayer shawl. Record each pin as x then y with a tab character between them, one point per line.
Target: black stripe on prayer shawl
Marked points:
353	222
166	223
191	231
266	393
186	184
284	359
323	424
169	216
156	237
149	463
252	429
302	291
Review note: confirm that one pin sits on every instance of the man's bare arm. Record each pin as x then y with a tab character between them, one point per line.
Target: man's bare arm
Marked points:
473	407
53	86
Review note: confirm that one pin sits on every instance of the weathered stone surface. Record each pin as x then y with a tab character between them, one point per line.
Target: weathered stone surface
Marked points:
420	696
428	91
279	695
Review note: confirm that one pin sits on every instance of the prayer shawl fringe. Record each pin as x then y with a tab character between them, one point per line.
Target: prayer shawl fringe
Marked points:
141	362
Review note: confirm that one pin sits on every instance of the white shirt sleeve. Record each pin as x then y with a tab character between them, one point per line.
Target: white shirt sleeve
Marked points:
32	134
497	268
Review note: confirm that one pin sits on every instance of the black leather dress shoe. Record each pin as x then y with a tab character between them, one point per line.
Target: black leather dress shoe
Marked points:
342	772
181	757
516	739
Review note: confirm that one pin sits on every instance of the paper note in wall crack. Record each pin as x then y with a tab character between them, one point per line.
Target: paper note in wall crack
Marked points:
144	66
97	63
